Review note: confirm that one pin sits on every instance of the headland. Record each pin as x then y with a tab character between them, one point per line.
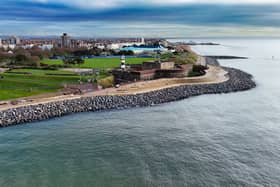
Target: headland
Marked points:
217	80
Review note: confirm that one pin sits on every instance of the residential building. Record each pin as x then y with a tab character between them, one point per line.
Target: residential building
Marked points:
14	40
65	41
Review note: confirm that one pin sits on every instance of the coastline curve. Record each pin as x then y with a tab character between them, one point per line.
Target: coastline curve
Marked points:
238	81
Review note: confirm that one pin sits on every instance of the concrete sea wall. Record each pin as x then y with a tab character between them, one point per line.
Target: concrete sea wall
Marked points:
239	81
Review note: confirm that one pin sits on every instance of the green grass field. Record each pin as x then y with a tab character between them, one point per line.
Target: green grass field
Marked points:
14	85
17	85
100	63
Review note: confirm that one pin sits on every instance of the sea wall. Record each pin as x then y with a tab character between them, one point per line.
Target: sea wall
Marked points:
239	81
212	61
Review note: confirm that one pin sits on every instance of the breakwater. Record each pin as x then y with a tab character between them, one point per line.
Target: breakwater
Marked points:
238	81
226	57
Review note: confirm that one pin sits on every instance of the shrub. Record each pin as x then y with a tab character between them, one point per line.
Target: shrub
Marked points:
185	58
197	70
106	82
192	58
166	56
194	74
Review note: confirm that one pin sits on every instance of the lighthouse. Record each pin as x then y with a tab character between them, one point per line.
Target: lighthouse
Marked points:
123	62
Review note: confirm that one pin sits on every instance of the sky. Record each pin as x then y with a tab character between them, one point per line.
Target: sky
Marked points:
141	18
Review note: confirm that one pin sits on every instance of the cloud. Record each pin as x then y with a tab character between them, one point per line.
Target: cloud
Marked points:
191	14
131	29
103	4
128	17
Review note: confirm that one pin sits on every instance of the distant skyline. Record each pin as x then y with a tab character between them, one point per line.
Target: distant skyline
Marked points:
141	18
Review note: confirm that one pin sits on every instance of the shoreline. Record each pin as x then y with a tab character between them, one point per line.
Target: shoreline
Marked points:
225	57
215	74
238	81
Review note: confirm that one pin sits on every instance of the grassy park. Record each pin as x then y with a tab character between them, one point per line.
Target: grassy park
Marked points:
100	63
13	85
27	82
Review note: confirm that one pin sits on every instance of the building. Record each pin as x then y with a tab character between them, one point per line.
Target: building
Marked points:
150	71
0	41
100	45
145	49
65	41
14	40
119	45
46	46
143	41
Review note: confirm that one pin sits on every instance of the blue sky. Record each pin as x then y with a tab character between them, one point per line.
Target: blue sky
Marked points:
136	18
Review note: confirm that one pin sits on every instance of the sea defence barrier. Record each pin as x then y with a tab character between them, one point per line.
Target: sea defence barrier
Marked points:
224	57
238	81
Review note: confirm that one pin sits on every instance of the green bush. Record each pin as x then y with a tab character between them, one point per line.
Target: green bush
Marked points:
106	82
192	58
166	56
185	58
197	70
194	74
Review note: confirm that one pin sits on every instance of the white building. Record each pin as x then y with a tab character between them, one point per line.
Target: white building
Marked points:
46	46
139	50
143	40
115	46
9	46
27	46
100	45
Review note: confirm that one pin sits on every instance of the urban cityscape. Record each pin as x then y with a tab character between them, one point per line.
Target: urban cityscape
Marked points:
66	41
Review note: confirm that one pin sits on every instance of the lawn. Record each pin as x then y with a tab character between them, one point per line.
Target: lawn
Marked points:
16	85
100	63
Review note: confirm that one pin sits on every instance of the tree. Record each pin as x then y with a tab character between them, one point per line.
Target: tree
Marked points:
95	51
81	52
5	56
68	61
73	61
36	51
59	51
21	58
129	53
35	61
79	61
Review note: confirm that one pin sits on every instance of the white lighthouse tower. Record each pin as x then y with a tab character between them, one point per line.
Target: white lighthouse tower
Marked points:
143	41
123	66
